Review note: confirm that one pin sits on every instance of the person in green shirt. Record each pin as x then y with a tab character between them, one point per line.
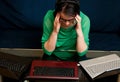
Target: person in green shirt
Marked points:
65	32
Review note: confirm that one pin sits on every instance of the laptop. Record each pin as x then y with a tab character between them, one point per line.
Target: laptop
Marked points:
12	66
102	66
59	70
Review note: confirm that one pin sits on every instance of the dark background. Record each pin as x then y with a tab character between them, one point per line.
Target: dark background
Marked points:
21	23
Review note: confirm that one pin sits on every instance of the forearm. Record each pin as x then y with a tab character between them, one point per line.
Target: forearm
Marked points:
51	42
81	45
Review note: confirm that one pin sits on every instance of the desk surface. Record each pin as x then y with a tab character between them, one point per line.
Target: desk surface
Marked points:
39	53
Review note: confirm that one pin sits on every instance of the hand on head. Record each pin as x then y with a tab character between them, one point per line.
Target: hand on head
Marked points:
57	23
78	19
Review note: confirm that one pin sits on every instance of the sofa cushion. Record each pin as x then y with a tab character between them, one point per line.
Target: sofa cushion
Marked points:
104	41
14	38
104	14
25	14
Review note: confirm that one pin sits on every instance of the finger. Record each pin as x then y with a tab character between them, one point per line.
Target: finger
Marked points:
78	18
57	16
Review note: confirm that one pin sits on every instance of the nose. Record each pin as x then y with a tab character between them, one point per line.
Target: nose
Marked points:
67	23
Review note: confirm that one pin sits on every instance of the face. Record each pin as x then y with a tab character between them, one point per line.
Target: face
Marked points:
67	21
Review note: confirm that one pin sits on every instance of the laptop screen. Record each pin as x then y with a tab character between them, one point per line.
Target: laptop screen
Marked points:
54	70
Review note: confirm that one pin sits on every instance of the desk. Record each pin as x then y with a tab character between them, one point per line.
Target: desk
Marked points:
39	53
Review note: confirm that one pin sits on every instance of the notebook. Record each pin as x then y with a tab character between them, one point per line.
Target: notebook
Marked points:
100	65
47	69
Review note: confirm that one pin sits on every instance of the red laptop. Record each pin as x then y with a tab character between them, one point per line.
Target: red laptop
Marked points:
53	70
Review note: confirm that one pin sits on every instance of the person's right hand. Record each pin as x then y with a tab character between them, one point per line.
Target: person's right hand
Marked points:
57	23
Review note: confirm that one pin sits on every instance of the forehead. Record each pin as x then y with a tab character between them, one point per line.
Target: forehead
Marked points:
63	15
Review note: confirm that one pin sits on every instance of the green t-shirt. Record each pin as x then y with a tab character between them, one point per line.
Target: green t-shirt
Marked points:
66	40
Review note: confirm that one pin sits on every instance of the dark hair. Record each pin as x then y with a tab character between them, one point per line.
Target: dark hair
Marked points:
69	7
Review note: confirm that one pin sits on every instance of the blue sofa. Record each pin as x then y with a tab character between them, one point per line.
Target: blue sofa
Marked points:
21	23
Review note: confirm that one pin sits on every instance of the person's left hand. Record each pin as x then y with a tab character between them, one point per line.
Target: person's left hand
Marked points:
78	19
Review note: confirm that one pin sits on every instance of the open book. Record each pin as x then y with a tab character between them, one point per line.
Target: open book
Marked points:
97	66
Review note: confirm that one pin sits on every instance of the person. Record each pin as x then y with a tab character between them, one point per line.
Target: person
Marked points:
65	32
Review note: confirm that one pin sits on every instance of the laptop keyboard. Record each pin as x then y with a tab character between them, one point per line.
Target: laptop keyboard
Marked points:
50	71
97	66
103	67
16	65
13	66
